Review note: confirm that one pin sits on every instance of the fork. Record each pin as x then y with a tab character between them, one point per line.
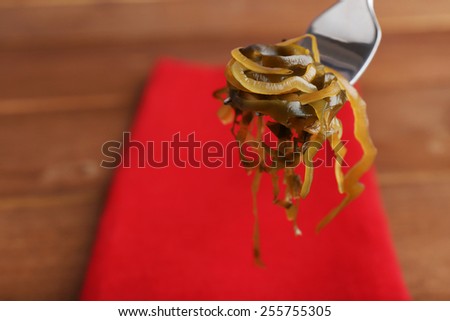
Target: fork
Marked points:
348	35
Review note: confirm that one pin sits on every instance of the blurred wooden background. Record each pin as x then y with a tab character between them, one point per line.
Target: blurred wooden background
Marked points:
71	72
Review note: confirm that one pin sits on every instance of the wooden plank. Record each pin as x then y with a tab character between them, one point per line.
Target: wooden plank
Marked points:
97	70
55	23
55	152
419	220
25	106
410	129
410	61
45	244
122	70
117	22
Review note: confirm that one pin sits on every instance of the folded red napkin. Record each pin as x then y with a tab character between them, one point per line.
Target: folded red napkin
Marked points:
186	233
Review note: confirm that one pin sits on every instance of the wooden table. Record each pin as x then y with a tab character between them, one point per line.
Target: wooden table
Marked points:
71	73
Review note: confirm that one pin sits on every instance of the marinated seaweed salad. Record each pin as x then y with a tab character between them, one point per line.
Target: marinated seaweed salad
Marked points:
284	89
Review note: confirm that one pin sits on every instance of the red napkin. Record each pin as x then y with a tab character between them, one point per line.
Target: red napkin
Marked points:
186	233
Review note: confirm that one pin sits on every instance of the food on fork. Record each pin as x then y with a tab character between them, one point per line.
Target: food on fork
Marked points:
283	89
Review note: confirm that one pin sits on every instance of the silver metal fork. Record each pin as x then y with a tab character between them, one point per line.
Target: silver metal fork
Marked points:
348	35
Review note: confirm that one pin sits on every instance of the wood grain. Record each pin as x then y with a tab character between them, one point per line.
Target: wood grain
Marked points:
56	23
71	73
45	244
419	220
